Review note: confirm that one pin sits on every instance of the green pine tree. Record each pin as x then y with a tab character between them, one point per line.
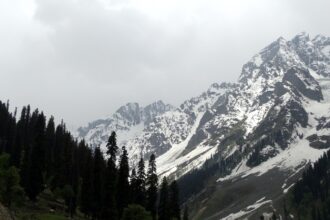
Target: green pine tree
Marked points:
36	168
86	198
152	187
174	202
98	178
50	150
10	190
123	187
164	203
109	209
141	184
134	187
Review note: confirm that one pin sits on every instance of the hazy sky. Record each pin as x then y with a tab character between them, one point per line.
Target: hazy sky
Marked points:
81	59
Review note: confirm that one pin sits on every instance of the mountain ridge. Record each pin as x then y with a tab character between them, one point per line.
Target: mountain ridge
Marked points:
277	112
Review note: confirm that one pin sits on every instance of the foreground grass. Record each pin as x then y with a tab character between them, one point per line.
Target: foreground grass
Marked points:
51	217
46	208
44	216
41	215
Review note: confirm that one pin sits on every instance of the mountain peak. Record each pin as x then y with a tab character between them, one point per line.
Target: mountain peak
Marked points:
129	112
302	36
129	105
281	40
161	104
280	43
156	108
278	54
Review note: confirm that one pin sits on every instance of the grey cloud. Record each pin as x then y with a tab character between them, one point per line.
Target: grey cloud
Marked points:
91	57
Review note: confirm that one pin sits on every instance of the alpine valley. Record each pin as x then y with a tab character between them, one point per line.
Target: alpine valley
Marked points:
237	148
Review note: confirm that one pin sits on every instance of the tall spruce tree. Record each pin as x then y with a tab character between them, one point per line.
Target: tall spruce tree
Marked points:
152	187
58	172
174	202
109	209
74	180
123	187
141	184
98	178
86	198
134	187
16	148
16	158
50	150
28	133
164	203
9	144
112	147
36	167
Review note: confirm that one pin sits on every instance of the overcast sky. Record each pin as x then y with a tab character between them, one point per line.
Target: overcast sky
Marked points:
81	59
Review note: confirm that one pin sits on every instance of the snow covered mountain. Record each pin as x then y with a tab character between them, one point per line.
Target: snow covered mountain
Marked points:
281	95
173	128
128	121
272	122
154	128
268	129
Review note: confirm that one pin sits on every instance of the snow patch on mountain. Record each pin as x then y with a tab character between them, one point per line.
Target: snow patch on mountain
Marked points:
170	132
170	161
299	152
297	155
248	209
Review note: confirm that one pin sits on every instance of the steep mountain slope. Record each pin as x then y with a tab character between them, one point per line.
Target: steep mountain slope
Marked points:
271	123
268	109
170	130
278	122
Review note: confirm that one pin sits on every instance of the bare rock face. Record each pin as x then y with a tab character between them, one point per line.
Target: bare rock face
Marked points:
304	83
319	142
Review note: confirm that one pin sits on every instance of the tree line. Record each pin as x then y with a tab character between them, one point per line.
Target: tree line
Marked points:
310	196
36	155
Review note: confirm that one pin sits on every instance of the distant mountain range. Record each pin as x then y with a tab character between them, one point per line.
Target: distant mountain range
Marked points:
271	123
